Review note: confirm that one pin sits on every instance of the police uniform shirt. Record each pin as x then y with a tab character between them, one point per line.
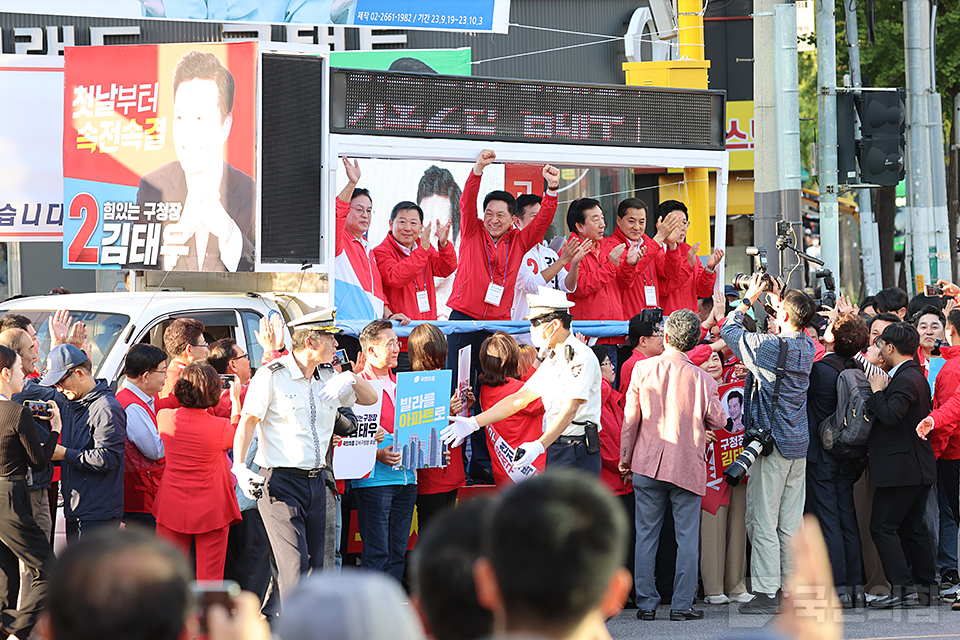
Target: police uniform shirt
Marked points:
295	424
558	379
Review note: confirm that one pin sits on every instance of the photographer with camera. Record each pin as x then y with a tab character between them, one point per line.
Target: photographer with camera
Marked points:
776	419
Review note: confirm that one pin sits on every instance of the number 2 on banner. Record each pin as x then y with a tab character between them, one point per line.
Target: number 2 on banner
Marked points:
84	206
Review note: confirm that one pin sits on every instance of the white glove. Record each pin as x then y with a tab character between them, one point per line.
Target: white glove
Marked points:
250	483
531	451
336	386
458	430
544	352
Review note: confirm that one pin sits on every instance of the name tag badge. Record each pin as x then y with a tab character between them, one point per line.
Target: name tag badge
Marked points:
494	293
423	302
650	293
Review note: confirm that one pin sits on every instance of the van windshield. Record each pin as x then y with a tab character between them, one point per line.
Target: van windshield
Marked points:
103	329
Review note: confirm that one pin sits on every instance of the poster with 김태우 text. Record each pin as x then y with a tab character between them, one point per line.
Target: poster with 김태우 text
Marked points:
436	15
159	157
355	456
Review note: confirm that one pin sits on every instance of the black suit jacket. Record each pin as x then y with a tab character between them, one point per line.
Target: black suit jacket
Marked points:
237	195
898	457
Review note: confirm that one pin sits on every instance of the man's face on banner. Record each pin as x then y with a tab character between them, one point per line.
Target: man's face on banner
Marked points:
198	130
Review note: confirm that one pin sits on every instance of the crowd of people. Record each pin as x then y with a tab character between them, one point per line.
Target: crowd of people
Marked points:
633	447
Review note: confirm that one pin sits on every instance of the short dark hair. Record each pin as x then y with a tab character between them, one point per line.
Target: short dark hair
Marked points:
667	207
890	300
575	212
406	205
180	333
141	358
203	65
372	331
427	348
735	395
221	353
954	319
198	386
499	360
526	200
14	321
903	337
886	316
443	572
360	192
437	181
501	196
8	358
850	335
800	307
929	310
122	584
554	542
637	329
601	351
867	302
630	203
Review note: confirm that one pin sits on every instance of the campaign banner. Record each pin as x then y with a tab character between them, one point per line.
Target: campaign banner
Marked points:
31	165
159	157
422	412
355	456
724	451
436	15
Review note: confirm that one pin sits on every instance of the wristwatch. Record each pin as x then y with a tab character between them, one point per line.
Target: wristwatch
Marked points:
747	302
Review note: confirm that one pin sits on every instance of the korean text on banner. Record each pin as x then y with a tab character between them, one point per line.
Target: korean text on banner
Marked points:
422	412
436	15
31	166
159	157
355	456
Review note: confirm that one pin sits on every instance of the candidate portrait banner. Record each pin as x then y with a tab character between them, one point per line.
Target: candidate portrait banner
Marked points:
355	456
436	15
724	451
421	412
159	157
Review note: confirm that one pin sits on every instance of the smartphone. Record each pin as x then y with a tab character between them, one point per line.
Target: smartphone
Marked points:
209	592
226	379
340	357
932	290
38	409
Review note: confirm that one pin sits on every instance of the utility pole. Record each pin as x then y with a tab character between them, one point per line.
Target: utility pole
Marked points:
827	134
928	242
869	234
767	204
787	117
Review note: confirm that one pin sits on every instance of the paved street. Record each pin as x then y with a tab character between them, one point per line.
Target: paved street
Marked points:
723	621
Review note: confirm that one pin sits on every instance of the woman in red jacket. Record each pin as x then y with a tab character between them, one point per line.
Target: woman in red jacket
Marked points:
499	358
436	488
196	502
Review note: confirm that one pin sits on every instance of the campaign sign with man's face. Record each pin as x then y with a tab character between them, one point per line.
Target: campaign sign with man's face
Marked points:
159	157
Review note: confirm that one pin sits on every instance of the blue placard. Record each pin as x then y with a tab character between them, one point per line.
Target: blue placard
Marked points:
421	412
934	365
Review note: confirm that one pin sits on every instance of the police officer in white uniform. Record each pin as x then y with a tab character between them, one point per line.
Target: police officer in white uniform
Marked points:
294	400
568	382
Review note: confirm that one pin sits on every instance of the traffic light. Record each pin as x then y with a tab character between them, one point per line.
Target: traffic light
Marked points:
882	146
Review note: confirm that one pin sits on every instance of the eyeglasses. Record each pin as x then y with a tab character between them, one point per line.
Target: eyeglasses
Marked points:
358	209
201	346
246	355
59	384
163	371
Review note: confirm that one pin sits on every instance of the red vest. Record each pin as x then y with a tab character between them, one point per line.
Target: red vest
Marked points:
141	475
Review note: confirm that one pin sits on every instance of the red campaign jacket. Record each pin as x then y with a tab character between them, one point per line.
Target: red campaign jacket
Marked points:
945	436
403	275
633	278
141	475
196	494
611	421
597	296
476	247
684	284
363	265
626	372
525	425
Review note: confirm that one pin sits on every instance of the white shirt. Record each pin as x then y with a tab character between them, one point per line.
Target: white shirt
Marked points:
559	379
141	427
296	425
530	278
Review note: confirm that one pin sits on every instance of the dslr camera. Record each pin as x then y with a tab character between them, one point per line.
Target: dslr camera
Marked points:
938	345
654	315
741	281
757	442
